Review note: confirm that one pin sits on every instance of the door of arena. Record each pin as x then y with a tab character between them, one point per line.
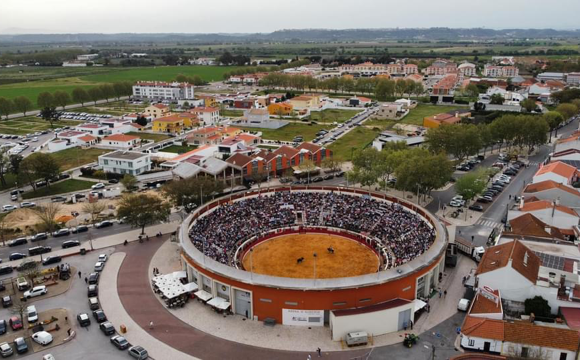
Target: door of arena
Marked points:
404	319
243	303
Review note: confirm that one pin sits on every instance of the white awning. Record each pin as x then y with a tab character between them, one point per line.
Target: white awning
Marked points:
219	303
203	295
191	287
179	274
419	304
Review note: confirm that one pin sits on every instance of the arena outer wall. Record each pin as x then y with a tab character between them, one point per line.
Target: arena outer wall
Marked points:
270	295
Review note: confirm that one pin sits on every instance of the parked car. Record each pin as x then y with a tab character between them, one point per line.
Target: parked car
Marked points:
99	315
61	232
99	266
20	345
58	199
6	301
15	323
455	203
39	236
93	278
98	186
27	264
16	256
6	350
18	241
51	260
103	224
27	204
138	352
31	314
103	258
37	250
36	291
42	337
3	327
80	229
107	328
7	208
94	303
6	270
120	342
70	243
113	181
83	319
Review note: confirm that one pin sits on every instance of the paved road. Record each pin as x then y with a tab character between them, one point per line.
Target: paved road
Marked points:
31	144
68	107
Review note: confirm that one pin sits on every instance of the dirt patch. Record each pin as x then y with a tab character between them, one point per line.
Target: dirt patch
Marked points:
277	257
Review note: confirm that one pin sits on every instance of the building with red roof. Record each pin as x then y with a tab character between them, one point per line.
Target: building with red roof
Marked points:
558	171
121	141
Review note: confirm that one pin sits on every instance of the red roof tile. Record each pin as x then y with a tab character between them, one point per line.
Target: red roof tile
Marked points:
523	260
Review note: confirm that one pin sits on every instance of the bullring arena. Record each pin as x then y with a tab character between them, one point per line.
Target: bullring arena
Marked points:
348	259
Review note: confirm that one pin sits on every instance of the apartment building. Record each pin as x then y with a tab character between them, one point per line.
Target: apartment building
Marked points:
500	71
125	162
163	90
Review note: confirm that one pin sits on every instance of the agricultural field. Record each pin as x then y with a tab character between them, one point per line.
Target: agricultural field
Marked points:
288	132
356	139
329	116
59	188
31	89
415	117
30	124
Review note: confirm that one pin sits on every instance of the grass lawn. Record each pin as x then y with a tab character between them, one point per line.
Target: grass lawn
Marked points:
149	136
178	149
75	157
59	188
381	124
232	113
10	181
31	124
288	132
415	117
357	138
332	115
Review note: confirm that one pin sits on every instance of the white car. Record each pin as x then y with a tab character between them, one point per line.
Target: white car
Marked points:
6	349
98	186
36	291
27	204
7	208
99	266
103	258
42	338
455	203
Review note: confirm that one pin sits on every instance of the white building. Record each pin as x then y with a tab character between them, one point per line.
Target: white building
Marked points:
551	76
125	162
500	71
121	141
467	69
159	90
550	190
209	115
97	130
118	126
87	57
558	171
573	79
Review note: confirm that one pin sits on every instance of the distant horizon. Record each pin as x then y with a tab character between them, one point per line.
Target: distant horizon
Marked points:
262	16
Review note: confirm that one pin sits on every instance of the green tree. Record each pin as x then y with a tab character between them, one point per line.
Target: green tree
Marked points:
497	99
472	184
567	110
22	104
529	105
47	213
80	95
364	169
189	193
45	165
107	91
45	100
4	165
141	120
141	210
6	107
554	119
472	91
50	114
422	171
94	209
384	89
27	173
129	182
538	306
95	94
459	140
332	163
61	98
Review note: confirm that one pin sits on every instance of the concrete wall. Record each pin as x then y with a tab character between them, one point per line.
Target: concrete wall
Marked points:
536	352
475	343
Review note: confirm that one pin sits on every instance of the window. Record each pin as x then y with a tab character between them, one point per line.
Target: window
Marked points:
471	342
105	161
130	164
563	356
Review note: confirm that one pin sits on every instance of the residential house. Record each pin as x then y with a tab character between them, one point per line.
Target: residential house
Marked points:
316	153
550	190
174	124
530	227
211	135
121	141
467	69
260	118
208	115
97	130
244	103
156	111
391	111
249	167
117	126
549	212
440	119
280	109
441	67
125	162
305	102
209	100
359	101
558	171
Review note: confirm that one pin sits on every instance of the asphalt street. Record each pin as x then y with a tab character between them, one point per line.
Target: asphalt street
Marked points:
68	107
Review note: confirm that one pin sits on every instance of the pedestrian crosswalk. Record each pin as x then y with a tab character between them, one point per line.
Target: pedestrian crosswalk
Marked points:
487	223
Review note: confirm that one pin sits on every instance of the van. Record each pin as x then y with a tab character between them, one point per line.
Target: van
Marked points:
31	314
356	338
21	283
94	303
463	305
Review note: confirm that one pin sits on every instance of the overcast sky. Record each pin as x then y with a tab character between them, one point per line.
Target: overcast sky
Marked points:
246	16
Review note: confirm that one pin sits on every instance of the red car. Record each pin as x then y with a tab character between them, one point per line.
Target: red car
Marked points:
15	323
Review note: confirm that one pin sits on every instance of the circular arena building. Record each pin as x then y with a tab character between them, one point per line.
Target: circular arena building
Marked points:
349	259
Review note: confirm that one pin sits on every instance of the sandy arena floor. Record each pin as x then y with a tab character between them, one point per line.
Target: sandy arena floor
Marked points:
277	257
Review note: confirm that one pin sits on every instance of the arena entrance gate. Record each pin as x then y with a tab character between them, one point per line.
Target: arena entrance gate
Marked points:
243	303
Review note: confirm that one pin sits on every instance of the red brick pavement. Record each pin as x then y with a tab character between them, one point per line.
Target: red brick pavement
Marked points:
133	285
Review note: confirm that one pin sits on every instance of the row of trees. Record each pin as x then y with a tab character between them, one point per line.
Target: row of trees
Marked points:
59	98
382	88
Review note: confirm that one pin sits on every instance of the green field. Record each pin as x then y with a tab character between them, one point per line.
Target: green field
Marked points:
357	138
59	188
31	89
381	124
288	132
75	157
178	149
148	136
31	124
331	115
415	117
232	113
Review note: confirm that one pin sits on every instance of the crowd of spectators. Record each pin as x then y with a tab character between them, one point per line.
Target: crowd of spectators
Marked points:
404	234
